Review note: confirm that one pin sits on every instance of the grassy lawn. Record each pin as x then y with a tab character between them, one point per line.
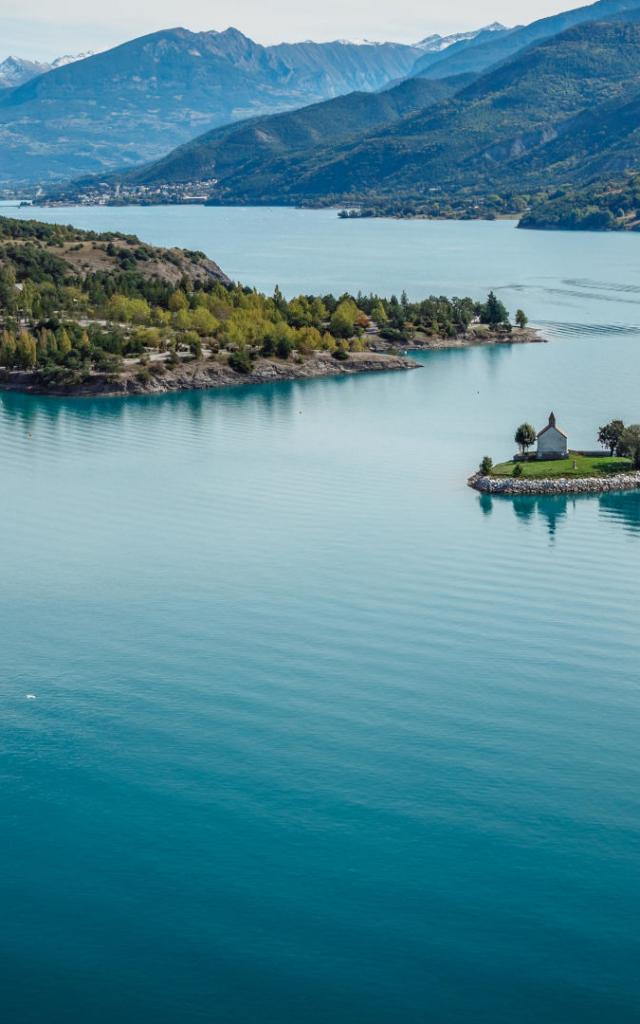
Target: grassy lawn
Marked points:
573	466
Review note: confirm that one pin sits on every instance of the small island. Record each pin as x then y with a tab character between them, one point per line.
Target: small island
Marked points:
83	313
555	469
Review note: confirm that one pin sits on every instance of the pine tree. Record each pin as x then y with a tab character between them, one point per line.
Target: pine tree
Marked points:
494	312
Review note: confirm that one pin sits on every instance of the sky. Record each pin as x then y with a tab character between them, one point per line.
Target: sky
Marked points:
46	29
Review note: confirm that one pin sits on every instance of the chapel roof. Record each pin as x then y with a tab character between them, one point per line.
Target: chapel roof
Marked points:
551	425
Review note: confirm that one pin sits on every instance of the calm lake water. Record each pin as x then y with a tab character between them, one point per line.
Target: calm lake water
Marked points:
320	734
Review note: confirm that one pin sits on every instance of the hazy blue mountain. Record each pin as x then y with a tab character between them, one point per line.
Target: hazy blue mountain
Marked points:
508	128
250	145
69	58
488	49
601	142
437	43
136	101
432	59
15	71
412	138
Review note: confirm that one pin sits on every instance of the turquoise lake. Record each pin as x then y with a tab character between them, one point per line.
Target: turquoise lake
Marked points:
320	734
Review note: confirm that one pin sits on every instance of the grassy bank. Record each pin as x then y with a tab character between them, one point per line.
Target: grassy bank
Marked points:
571	468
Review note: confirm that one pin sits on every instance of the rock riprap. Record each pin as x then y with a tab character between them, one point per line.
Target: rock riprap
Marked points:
557	485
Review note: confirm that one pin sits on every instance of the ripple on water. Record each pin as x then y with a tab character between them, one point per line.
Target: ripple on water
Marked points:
319	730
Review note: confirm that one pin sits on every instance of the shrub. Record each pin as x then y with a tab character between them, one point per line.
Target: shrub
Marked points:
284	348
518	469
241	361
107	362
341	355
392	334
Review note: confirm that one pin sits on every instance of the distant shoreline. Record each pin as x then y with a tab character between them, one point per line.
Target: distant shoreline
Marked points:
476	337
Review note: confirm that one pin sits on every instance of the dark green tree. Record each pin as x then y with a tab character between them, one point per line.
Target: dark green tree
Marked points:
609	435
284	348
525	436
279	300
241	361
629	444
494	312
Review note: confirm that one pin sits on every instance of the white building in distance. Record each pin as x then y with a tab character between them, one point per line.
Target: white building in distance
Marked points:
552	442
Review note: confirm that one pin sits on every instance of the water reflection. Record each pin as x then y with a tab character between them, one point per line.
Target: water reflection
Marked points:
621	507
486	503
278	398
552	509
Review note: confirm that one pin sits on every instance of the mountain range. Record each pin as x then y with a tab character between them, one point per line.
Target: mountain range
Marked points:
134	102
15	71
264	144
486	49
559	110
483	121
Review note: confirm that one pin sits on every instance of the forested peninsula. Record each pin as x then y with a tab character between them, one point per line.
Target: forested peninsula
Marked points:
83	313
602	206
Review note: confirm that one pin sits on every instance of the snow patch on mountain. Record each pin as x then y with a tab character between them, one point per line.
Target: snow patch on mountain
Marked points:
437	43
15	71
71	58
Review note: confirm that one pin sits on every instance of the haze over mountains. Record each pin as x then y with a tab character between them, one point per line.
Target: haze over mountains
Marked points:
487	49
262	146
559	110
136	101
513	111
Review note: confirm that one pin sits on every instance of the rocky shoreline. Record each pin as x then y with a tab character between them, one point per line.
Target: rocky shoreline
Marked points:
473	338
561	485
208	374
